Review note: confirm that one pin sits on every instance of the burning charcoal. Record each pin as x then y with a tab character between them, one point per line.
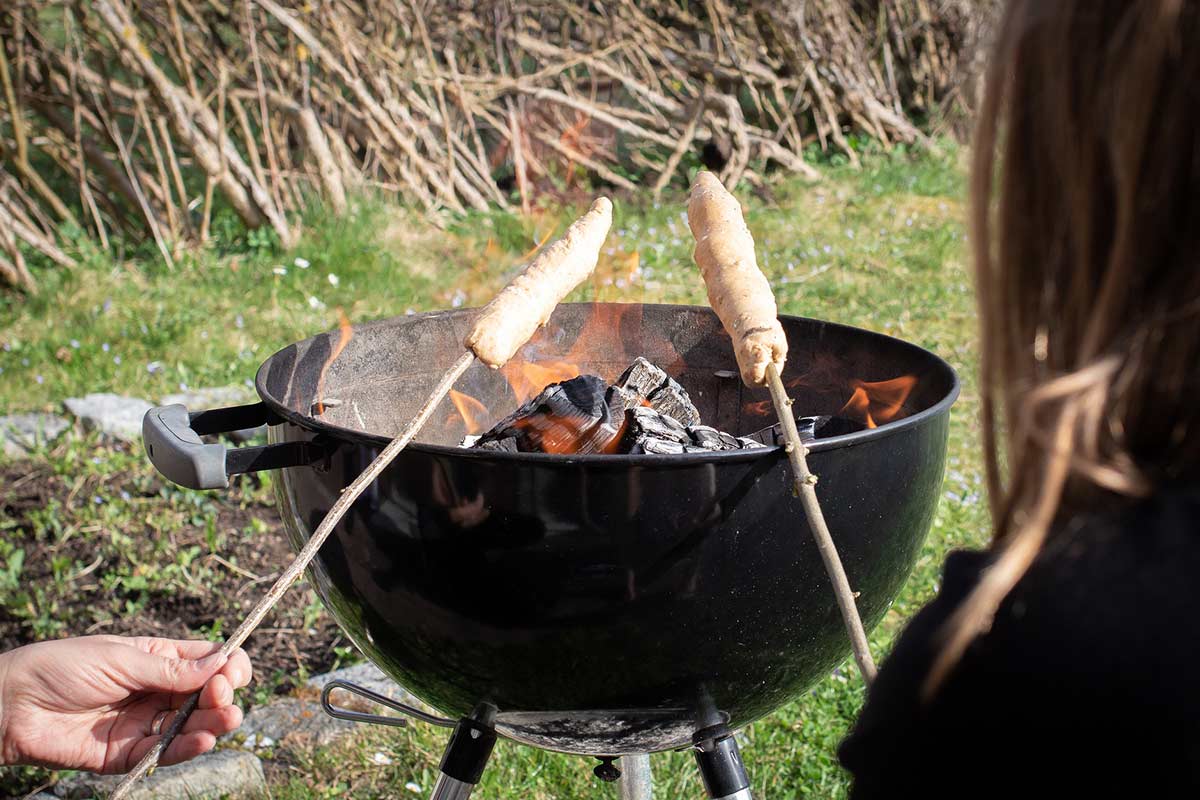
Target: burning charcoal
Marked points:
810	428
662	447
707	438
660	389
567	417
620	400
508	445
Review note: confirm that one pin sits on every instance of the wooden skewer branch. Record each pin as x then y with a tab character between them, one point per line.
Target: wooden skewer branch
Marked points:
499	331
299	564
806	487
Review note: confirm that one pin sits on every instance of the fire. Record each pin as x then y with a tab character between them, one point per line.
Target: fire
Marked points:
345	334
879	401
527	378
569	436
471	411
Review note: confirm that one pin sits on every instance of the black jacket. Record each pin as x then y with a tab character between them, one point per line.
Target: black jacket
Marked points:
1086	685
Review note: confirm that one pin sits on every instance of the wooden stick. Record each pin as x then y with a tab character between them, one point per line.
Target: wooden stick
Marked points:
806	487
299	564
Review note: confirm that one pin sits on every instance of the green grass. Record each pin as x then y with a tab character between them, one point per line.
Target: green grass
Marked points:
881	247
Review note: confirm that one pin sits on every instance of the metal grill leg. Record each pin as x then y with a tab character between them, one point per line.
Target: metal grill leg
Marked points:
721	766
463	762
636	780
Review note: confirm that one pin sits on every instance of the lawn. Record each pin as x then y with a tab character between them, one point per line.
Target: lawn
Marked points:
91	539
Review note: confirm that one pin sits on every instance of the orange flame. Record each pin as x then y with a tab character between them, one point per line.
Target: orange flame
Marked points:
472	412
879	401
345	334
527	378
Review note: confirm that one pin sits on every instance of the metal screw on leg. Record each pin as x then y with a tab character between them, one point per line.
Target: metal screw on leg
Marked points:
721	765
463	762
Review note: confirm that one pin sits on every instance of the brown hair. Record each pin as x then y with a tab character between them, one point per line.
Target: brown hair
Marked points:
1086	228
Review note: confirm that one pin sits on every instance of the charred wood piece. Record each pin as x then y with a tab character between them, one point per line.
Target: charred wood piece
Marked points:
567	417
663	393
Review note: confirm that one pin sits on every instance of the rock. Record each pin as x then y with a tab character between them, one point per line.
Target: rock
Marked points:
111	414
290	723
216	397
22	433
293	722
222	773
368	676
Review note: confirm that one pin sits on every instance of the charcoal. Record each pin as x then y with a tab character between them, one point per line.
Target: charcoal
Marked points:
663	393
810	428
506	445
644	412
567	417
707	438
620	400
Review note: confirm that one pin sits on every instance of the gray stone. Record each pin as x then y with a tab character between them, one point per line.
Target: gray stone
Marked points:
111	414
216	397
222	773
292	722
22	433
289	723
368	676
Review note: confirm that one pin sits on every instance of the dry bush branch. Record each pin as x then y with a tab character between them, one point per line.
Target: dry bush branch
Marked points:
143	106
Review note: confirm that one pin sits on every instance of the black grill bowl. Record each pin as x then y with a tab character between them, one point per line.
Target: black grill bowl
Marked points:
604	604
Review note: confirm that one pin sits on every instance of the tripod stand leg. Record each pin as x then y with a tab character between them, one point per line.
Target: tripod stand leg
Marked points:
721	768
636	780
463	762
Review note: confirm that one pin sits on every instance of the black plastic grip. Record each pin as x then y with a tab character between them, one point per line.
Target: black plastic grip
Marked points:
172	439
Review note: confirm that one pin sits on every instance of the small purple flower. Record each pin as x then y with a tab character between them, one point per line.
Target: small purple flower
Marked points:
39	379
97	499
74	344
107	305
239	322
117	360
104	347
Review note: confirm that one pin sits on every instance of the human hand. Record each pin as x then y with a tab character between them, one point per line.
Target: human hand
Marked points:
98	703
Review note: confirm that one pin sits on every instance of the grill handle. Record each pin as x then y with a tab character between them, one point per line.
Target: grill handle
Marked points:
172	439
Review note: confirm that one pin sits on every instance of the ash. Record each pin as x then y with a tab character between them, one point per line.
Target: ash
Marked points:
645	411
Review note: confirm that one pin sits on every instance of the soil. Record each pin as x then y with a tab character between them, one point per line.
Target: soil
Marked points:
130	583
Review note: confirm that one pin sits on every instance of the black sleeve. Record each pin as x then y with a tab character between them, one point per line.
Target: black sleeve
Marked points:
1085	685
892	738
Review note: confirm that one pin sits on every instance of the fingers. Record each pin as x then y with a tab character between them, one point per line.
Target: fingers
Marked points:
144	671
183	747
237	669
190	649
216	693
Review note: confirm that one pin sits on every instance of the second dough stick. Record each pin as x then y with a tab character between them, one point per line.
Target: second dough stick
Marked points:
737	289
739	292
510	319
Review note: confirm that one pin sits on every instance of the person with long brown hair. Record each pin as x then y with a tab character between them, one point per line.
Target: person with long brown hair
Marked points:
1061	662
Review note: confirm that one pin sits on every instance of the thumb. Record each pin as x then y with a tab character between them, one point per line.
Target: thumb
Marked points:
149	672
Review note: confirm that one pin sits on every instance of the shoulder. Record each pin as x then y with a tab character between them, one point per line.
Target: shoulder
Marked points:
1085	651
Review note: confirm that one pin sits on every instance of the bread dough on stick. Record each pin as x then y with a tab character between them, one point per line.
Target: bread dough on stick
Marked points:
737	289
506	323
